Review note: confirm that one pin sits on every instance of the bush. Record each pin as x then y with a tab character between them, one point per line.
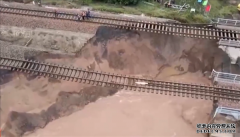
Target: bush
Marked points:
54	3
149	0
81	2
121	2
199	18
86	2
108	9
27	1
70	6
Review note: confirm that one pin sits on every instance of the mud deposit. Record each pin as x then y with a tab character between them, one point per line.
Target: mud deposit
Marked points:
66	103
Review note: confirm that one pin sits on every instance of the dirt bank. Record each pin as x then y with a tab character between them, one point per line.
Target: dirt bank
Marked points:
155	55
57	41
66	103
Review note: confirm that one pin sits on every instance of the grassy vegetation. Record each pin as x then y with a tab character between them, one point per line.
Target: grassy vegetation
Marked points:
219	8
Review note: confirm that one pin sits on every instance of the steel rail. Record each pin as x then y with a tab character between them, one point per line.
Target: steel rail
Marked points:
119	81
186	30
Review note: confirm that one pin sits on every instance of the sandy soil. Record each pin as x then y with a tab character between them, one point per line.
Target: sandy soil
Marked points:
30	22
44	39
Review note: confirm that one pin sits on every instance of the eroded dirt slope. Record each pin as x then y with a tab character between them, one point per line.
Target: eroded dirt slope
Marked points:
152	54
66	103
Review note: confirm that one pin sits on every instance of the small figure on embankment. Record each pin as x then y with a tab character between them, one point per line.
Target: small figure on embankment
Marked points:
55	13
88	14
83	15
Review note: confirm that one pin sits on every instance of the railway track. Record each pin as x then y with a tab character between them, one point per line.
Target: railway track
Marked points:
186	30
119	81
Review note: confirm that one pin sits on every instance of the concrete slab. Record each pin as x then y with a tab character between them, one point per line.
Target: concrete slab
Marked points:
233	53
229	27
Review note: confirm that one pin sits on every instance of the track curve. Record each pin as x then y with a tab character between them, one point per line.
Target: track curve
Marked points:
204	31
119	81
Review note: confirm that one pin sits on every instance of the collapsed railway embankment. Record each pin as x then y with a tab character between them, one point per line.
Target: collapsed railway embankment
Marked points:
126	52
142	52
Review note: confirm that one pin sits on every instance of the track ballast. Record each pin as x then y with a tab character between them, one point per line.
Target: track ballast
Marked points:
186	30
119	81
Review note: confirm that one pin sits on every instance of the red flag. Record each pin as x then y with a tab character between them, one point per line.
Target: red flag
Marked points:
208	8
